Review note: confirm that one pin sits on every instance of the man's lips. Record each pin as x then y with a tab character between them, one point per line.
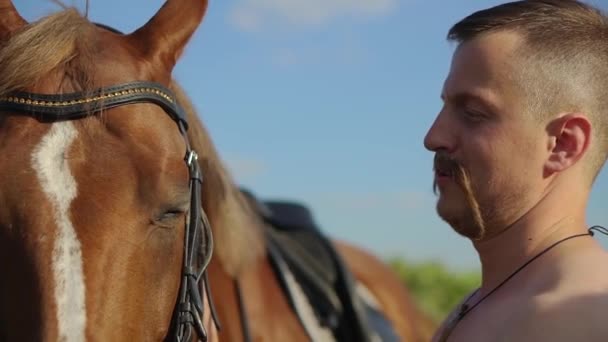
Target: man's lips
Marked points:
446	169
442	173
442	177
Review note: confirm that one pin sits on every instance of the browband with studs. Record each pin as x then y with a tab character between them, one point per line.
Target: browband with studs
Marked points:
76	105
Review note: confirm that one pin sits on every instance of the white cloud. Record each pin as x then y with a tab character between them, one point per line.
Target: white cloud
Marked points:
249	15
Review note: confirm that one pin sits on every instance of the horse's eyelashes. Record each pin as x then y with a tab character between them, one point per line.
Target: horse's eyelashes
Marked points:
170	214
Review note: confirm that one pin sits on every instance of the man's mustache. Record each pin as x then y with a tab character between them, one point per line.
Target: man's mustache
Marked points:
446	165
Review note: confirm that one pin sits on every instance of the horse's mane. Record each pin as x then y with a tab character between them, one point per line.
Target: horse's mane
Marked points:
58	41
64	42
237	228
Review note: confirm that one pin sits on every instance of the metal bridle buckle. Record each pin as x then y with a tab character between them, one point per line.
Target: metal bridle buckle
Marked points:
190	157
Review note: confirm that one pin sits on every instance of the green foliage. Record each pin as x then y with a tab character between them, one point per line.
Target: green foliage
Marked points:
436	289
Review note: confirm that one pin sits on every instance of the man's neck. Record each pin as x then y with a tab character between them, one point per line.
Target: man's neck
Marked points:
543	225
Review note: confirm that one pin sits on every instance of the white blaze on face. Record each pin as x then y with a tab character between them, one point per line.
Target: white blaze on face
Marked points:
51	163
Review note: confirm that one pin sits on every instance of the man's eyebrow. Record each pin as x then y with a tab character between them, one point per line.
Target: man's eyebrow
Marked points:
464	97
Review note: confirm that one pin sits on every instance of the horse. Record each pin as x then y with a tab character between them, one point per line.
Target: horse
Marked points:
110	213
102	234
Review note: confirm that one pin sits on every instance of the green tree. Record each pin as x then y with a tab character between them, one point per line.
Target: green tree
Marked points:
435	288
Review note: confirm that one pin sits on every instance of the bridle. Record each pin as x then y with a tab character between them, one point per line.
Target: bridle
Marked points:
198	240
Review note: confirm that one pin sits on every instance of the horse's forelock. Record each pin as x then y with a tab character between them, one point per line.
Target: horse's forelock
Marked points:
61	40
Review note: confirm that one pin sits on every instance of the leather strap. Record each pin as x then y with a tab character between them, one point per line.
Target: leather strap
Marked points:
242	314
80	104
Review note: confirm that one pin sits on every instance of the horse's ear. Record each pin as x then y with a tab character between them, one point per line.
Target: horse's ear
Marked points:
10	20
163	38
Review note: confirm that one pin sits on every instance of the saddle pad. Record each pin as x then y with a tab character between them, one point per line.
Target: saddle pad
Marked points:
312	267
307	265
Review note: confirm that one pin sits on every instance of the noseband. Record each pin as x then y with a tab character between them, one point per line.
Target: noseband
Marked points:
198	241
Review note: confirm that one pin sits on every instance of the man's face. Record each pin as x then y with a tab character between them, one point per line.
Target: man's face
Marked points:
489	153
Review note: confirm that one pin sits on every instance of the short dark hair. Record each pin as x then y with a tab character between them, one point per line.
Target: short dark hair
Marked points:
562	61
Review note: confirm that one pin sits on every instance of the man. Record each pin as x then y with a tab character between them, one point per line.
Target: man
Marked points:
520	139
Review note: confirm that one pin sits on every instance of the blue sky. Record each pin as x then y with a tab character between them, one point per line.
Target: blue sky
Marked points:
327	102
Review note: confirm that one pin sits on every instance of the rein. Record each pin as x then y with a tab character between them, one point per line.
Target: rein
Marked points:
198	239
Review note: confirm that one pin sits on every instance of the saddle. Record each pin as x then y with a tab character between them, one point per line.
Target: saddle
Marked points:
296	246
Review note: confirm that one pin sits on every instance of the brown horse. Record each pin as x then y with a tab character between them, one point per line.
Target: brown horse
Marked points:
102	237
93	210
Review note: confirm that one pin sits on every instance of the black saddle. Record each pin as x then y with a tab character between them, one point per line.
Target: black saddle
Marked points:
291	216
295	240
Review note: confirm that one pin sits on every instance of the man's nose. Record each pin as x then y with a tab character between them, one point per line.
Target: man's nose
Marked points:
439	135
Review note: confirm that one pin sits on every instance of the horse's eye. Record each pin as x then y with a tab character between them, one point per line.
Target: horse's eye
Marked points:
171	214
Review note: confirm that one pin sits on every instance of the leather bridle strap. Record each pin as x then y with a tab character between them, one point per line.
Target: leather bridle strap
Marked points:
190	308
242	312
77	105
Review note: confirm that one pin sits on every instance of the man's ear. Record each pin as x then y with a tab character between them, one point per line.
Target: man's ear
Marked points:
569	139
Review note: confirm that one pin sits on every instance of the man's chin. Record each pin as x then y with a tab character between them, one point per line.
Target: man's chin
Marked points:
447	211
448	215
460	221
448	204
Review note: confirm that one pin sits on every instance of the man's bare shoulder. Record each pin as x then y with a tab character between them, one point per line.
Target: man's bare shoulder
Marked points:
566	301
584	273
575	309
567	318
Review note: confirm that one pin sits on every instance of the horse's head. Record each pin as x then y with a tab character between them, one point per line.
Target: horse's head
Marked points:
99	196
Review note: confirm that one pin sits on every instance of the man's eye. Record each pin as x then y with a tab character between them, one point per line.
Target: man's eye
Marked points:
473	115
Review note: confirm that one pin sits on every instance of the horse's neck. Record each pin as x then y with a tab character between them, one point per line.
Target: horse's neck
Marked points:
236	230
